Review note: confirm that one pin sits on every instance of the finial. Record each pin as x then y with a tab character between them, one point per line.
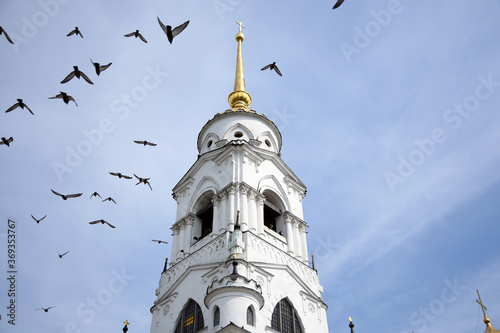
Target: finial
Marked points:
481	304
125	328
489	328
234	275
351	325
240	25
165	266
237	224
314	266
239	98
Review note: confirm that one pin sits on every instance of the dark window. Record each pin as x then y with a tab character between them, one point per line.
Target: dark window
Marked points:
216	316
206	215
271	212
250	316
190	319
285	318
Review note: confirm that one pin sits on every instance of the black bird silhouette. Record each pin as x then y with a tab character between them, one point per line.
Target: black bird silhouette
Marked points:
159	241
99	68
137	34
66	196
2	31
145	143
143	180
172	33
103	222
61	255
109	199
65	97
46	309
119	175
337	4
6	141
76	72
76	31
271	67
21	105
95	194
38	221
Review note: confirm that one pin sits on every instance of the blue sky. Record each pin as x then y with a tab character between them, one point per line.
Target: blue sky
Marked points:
389	115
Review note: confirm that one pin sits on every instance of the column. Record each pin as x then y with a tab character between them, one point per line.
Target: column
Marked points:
303	243
260	215
189	233
231	211
175	242
296	238
289	233
223	212
244	207
216	219
252	212
182	239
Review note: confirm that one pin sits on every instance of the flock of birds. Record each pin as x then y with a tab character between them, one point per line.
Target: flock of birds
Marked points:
171	33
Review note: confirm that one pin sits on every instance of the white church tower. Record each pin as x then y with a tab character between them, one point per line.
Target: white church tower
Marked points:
239	258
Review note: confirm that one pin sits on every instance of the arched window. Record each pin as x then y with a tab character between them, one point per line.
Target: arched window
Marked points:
205	216
272	212
285	318
250	316
190	319
216	316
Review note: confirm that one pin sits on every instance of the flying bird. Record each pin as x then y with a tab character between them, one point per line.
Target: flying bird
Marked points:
61	255
66	196
46	309
172	33
99	68
137	34
145	143
21	105
102	221
75	31
2	31
119	175
271	67
65	97
6	141
159	241
76	72
38	220
143	180
95	194
337	4
109	199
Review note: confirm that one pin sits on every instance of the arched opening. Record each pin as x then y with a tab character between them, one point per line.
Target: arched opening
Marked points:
272	212
285	318
216	316
204	216
190	319
250	316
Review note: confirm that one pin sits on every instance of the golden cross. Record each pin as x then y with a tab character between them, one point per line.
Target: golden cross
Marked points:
240	24
126	323
481	303
350	319
234	256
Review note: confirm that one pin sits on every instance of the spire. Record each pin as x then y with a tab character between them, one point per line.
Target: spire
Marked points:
239	98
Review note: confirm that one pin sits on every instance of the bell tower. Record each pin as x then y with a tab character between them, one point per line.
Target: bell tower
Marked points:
239	259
